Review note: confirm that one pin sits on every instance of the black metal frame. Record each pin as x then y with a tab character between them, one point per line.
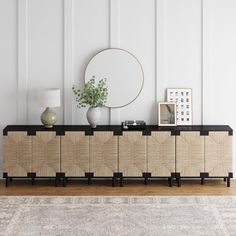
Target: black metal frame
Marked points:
204	176
118	176
32	176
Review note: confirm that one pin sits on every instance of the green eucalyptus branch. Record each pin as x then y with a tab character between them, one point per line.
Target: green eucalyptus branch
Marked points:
94	95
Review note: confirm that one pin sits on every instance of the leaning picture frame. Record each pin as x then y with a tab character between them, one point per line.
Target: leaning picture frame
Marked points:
167	114
183	99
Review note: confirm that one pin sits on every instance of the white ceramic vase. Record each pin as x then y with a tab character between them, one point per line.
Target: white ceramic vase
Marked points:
93	116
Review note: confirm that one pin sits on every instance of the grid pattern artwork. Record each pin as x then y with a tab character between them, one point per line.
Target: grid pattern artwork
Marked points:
183	99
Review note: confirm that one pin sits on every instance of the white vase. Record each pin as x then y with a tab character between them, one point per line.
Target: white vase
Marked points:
93	116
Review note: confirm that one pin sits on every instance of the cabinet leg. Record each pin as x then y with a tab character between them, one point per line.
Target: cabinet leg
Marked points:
170	182
145	181
56	182
113	182
202	181
89	181
178	180
7	182
121	182
10	179
228	182
225	179
32	181
64	182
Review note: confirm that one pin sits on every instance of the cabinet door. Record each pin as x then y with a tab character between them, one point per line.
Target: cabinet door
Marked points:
46	154
103	154
218	153
161	153
74	154
132	154
190	154
17	154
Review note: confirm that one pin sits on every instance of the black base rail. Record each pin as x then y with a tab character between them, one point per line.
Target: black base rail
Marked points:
119	178
31	176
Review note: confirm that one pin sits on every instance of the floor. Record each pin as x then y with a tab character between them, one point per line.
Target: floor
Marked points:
131	188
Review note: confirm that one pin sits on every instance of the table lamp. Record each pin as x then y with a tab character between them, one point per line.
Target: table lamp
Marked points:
49	98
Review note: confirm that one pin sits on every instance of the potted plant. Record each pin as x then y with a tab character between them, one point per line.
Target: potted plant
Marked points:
95	96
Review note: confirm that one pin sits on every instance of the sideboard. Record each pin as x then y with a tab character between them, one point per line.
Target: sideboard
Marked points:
66	152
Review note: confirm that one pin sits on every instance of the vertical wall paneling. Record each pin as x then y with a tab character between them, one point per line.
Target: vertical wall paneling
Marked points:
219	63
137	35
156	35
202	65
114	37
8	67
205	62
114	23
160	67
22	83
90	36
46	54
68	61
181	65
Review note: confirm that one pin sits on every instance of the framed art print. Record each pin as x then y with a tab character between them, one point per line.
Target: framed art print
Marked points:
183	99
167	114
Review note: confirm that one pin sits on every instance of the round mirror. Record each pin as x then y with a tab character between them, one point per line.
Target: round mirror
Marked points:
123	72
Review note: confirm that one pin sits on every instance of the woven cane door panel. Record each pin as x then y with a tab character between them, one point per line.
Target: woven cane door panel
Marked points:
190	154
17	153
132	154
74	154
161	153
103	154
218	153
46	154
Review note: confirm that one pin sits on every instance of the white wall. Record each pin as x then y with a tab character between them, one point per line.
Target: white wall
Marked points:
180	43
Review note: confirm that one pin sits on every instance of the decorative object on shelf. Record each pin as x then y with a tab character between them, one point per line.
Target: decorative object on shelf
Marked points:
94	95
167	114
124	75
133	125
183	99
93	116
49	98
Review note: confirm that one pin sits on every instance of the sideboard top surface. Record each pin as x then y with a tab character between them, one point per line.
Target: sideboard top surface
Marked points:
116	129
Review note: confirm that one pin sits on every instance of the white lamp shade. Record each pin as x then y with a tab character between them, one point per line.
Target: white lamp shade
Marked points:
50	98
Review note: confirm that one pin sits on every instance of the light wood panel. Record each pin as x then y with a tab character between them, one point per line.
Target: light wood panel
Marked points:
161	153
17	153
218	154
74	154
46	154
103	154
132	154
190	153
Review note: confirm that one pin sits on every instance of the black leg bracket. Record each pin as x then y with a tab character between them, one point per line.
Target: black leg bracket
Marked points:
59	176
146	175
5	176
89	176
203	175
177	176
230	175
119	176
32	176
170	182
